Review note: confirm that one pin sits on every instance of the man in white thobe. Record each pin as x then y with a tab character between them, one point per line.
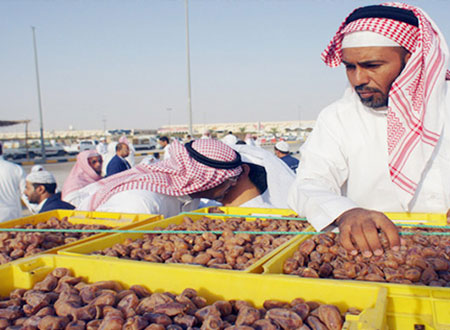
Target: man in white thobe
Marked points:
12	184
102	147
385	145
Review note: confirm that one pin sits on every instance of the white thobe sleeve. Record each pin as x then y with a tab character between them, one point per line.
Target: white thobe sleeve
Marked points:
22	182
132	201
316	192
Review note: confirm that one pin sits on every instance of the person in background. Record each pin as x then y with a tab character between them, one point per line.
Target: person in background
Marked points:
40	189
109	155
249	140
132	151
207	134
12	183
150	159
102	147
385	145
282	152
165	145
118	163
230	139
204	168
87	169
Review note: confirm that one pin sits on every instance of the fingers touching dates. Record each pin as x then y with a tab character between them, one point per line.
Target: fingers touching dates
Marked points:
422	260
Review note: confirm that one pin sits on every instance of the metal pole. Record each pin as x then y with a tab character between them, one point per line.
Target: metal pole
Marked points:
188	68
39	94
26	141
169	110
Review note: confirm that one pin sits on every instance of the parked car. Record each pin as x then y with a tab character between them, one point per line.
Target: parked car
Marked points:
13	153
72	149
87	145
144	143
51	149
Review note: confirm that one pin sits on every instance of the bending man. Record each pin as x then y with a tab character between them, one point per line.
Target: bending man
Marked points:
200	169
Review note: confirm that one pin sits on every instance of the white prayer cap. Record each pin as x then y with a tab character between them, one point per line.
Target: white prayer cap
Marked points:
102	138
282	146
367	39
42	177
37	168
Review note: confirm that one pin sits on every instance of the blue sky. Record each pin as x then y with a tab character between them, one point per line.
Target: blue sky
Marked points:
126	60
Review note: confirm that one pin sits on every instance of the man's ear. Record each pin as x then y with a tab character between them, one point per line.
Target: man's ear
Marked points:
245	170
407	57
40	189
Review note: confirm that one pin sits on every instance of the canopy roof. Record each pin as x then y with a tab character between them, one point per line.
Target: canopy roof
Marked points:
13	122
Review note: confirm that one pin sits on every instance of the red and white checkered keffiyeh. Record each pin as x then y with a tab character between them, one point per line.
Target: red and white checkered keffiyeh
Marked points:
180	175
416	103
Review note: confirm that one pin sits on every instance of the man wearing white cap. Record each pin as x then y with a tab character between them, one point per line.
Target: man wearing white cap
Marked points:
12	182
385	144
282	152
33	208
40	189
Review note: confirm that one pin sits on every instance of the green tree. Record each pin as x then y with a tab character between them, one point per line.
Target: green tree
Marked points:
274	131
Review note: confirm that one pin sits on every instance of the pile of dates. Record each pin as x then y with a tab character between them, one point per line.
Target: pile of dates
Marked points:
62	301
15	245
225	251
421	260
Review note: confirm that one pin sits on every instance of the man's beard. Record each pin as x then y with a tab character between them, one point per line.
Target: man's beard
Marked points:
375	101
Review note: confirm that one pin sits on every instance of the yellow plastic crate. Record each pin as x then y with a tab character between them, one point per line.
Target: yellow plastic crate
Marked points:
408	305
231	210
435	219
99	244
114	220
211	284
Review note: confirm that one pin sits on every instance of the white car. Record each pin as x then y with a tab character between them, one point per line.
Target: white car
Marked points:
51	149
87	145
72	149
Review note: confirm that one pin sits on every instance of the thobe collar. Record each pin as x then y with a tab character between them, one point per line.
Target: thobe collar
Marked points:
41	204
379	112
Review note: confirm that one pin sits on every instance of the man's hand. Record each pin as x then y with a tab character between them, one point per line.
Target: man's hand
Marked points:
360	226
